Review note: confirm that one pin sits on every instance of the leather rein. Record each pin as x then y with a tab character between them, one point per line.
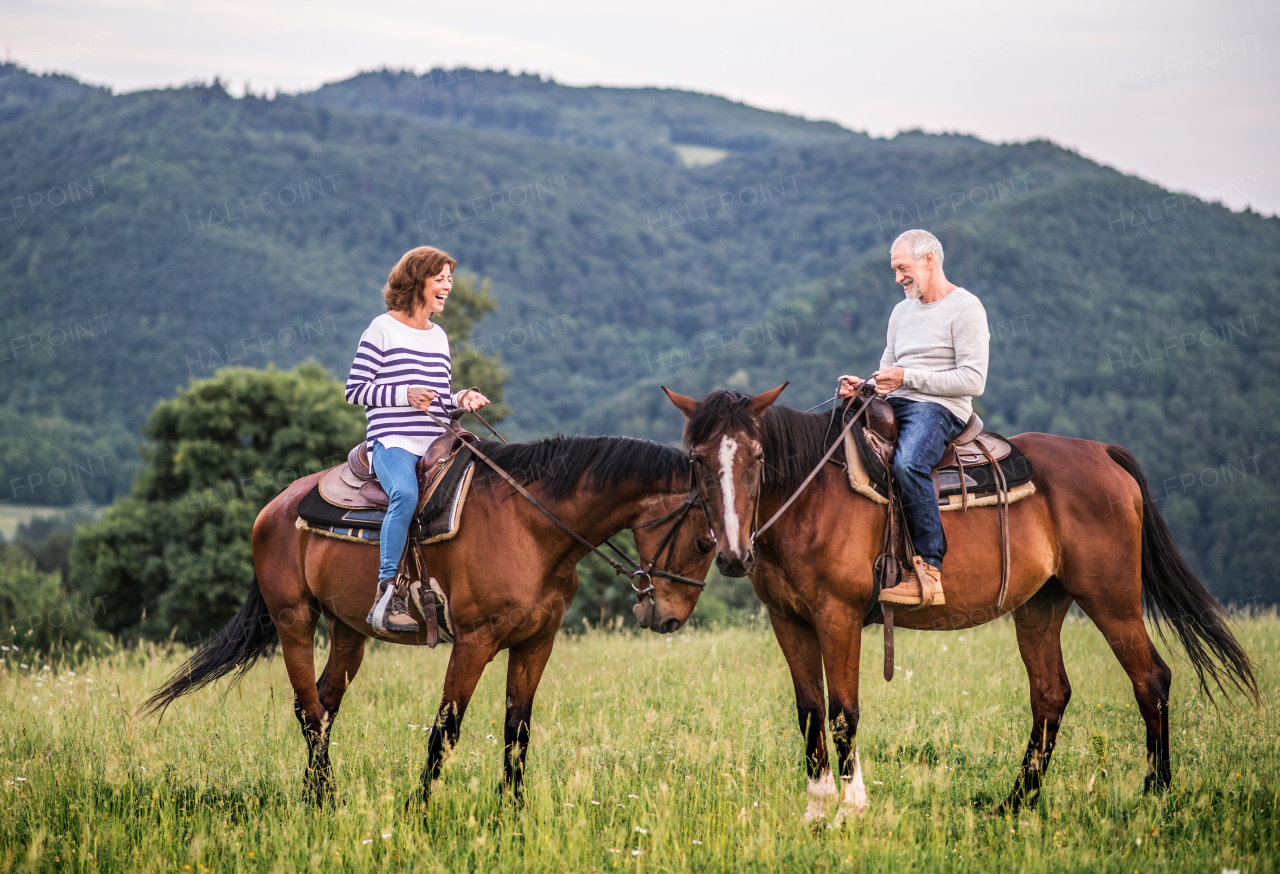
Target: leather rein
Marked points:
637	572
870	395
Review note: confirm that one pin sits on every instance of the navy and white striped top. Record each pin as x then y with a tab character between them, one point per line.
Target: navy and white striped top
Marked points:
392	358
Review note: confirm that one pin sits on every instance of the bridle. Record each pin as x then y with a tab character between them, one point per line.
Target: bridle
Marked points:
757	529
667	544
636	572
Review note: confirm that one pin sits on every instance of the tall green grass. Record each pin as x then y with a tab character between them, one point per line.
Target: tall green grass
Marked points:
648	753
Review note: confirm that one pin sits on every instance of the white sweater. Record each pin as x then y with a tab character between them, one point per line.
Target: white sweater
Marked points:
942	349
392	358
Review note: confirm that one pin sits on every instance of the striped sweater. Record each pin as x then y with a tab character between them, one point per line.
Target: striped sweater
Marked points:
391	358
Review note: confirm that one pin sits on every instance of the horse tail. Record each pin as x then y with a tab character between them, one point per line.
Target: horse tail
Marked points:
237	647
1172	594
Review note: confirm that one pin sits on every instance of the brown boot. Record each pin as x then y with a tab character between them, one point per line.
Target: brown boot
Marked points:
920	587
390	611
906	593
931	583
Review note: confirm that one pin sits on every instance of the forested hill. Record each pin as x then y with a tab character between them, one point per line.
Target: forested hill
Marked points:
658	123
150	238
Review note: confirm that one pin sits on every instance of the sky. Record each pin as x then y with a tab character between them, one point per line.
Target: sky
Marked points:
1183	93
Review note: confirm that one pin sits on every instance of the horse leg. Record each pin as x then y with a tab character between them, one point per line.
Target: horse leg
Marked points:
1125	633
297	626
841	656
1038	623
466	664
799	644
346	652
524	671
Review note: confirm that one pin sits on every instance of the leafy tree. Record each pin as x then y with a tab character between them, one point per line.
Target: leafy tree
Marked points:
36	613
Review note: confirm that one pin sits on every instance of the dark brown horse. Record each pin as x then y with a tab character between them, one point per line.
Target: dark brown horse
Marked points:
1089	535
509	575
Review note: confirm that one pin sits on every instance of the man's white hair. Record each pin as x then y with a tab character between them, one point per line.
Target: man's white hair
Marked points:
917	242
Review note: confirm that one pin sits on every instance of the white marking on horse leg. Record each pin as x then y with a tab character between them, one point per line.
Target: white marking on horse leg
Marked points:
728	452
821	793
855	792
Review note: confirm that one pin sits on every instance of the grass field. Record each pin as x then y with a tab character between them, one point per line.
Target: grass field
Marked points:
648	753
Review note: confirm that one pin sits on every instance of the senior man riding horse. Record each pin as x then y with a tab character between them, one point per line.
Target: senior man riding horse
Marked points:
934	364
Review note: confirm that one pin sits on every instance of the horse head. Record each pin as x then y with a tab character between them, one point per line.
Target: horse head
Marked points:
675	551
723	438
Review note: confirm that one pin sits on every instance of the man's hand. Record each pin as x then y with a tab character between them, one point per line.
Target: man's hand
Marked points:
887	380
848	386
420	398
472	400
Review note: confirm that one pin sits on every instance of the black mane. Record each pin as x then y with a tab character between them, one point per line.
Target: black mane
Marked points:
793	441
558	463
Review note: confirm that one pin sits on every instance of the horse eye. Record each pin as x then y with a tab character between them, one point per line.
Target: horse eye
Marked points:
703	546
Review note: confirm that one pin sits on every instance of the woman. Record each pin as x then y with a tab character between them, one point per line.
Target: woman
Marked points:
402	368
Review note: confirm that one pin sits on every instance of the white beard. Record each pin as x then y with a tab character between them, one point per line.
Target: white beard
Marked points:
912	291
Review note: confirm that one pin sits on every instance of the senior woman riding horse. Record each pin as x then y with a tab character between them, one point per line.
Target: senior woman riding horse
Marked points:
403	369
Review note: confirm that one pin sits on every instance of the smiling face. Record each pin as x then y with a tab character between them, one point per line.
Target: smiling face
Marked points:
436	290
911	274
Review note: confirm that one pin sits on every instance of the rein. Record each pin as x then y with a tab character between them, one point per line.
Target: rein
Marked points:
637	571
813	473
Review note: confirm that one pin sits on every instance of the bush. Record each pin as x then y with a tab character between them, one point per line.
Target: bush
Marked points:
36	613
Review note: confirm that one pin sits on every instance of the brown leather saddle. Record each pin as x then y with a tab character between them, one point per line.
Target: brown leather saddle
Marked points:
973	447
354	485
976	459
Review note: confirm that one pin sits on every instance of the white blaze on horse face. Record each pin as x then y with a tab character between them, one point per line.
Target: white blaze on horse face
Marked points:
728	452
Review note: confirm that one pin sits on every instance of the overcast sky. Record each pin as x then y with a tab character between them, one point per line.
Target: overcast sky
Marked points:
1182	93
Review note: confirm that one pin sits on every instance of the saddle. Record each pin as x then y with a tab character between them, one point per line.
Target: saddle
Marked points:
354	486
967	464
978	467
349	504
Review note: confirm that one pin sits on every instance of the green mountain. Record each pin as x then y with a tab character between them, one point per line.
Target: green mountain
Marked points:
147	239
657	123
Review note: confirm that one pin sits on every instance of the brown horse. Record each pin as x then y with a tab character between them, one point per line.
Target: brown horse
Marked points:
1090	535
509	574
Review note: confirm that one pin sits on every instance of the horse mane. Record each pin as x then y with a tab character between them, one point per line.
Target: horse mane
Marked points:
793	441
559	463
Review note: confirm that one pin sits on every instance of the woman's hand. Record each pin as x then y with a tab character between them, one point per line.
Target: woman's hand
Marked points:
421	398
472	400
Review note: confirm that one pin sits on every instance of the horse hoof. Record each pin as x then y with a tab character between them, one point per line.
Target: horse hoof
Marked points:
416	804
506	793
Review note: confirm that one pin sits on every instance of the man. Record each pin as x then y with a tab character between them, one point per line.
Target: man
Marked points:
934	364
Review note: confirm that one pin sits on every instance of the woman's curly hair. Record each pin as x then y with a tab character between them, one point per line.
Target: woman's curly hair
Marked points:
404	289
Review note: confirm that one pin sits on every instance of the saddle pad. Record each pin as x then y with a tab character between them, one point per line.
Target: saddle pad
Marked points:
867	476
438	520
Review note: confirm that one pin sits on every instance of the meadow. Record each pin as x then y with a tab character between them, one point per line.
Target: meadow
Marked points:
648	753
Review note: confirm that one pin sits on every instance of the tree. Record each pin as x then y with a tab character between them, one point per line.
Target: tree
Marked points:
35	612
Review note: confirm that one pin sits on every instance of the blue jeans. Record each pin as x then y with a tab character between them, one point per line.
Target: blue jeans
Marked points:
924	430
397	471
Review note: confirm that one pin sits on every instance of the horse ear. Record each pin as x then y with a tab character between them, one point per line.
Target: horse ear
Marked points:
686	405
764	400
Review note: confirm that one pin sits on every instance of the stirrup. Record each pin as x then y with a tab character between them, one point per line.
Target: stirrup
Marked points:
377	613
